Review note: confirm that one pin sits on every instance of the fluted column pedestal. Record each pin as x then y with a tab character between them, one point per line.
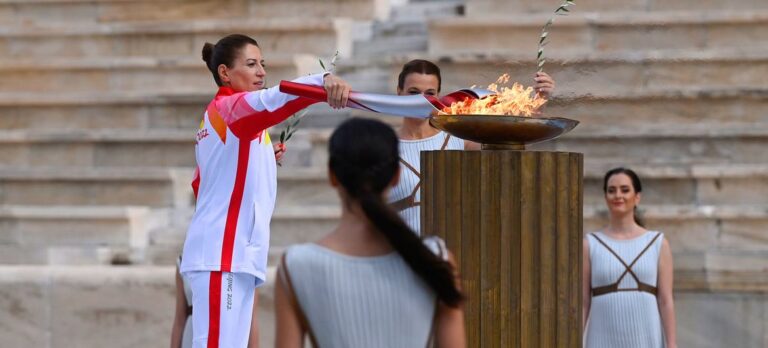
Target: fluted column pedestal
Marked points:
513	220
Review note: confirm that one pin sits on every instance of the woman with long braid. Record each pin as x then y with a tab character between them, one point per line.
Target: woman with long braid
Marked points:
372	282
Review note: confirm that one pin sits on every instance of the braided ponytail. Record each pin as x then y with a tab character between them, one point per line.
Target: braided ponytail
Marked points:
364	158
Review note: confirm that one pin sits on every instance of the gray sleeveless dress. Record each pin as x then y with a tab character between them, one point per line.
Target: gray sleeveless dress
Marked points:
410	174
356	302
624	310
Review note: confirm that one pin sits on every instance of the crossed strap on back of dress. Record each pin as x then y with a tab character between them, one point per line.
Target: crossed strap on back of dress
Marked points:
410	200
607	289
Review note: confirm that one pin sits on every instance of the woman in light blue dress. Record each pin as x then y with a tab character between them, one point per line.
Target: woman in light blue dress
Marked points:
627	282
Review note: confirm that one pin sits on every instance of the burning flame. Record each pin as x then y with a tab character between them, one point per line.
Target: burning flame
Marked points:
515	101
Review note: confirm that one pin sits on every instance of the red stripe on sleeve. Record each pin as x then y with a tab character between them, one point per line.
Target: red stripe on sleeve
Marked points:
250	127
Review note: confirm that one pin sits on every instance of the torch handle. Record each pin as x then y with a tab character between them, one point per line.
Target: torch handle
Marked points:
302	90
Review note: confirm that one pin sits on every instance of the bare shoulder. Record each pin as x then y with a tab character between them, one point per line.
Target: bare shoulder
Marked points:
585	241
664	243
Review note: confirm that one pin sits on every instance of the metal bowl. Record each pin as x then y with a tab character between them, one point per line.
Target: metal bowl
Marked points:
503	132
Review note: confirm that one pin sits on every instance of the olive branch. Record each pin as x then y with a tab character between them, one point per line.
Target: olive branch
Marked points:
560	11
294	120
333	63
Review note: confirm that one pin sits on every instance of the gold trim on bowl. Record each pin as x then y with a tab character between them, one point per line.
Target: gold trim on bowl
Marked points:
503	132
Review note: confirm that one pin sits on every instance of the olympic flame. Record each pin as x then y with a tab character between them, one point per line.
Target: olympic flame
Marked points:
515	100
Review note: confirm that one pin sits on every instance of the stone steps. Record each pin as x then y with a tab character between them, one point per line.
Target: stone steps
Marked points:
356	9
95	110
169	38
720	238
717	238
696	184
121	74
705	102
129	110
40	311
31	12
665	143
727	184
51	306
175	147
615	73
103	148
690	107
420	10
723	201
181	108
696	231
104	235
93	235
96	187
132	306
74	255
600	32
649	144
66	225
406	28
597	74
481	8
690	227
67	235
723	238
386	45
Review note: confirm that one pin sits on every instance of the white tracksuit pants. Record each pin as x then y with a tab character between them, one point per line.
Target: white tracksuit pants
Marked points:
222	308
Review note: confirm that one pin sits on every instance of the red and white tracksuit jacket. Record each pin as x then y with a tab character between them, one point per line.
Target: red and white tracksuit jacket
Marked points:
236	181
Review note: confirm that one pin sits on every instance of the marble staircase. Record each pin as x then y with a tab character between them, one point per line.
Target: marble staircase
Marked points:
101	98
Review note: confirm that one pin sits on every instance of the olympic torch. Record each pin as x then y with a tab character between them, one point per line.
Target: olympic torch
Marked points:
416	106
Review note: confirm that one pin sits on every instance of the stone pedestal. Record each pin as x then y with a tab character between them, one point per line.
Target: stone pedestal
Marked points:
513	220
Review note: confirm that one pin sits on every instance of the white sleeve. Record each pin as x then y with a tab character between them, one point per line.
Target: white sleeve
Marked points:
271	99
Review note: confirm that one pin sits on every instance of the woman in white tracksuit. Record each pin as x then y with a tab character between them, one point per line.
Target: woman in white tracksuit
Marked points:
225	252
